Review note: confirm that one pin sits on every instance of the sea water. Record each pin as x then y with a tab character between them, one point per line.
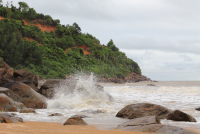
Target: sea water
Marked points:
184	96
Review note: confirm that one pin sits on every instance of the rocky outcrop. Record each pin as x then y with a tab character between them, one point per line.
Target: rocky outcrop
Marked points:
151	124
143	109
178	115
8	118
23	93
131	77
75	121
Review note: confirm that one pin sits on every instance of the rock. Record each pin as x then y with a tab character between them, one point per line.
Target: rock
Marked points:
158	128
9	105
27	110
151	85
198	109
6	73
23	93
178	115
167	129
32	86
143	109
75	121
151	124
6	104
147	120
56	114
24	75
47	89
8	118
81	116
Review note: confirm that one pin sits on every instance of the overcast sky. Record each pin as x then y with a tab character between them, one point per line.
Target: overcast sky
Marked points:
162	36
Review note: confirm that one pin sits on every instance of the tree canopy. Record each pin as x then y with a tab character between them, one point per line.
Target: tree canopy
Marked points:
58	53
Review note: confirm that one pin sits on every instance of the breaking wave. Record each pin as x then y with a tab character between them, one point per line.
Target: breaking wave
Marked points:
79	92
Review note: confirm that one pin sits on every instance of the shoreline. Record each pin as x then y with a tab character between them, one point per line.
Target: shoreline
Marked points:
32	127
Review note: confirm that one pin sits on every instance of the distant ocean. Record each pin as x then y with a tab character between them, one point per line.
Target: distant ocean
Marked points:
101	111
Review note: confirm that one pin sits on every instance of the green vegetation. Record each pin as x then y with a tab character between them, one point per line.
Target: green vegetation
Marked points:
60	53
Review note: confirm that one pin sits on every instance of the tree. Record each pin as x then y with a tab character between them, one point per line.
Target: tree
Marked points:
77	28
112	46
23	6
1	3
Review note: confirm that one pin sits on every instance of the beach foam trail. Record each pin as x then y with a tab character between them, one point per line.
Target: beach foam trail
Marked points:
79	93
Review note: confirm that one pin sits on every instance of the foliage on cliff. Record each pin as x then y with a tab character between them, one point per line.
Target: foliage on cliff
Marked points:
61	51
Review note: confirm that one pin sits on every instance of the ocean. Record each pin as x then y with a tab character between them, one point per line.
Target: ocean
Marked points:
101	110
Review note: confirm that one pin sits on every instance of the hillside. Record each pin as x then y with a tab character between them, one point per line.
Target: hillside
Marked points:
40	44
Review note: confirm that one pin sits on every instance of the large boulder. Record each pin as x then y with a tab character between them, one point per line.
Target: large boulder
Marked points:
23	93
178	115
143	109
8	118
24	75
75	121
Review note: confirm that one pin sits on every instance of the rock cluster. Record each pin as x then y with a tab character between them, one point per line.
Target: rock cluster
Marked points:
145	117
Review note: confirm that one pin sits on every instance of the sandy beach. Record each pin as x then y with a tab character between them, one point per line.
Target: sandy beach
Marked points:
29	127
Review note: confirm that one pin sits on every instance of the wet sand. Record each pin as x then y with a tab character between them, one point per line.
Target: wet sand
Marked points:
29	127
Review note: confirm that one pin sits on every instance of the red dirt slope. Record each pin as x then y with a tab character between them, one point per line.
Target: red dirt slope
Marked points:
42	27
30	39
85	48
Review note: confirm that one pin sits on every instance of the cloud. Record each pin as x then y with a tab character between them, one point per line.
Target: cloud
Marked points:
161	35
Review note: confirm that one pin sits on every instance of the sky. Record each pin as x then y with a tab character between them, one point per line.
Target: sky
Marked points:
162	36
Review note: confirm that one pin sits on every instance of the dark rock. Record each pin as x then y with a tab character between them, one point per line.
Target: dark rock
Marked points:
81	116
147	120
24	75
198	109
23	93
56	114
27	110
143	109
8	118
75	121
178	115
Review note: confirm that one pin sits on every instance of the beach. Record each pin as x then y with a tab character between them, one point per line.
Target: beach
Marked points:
101	112
29	127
